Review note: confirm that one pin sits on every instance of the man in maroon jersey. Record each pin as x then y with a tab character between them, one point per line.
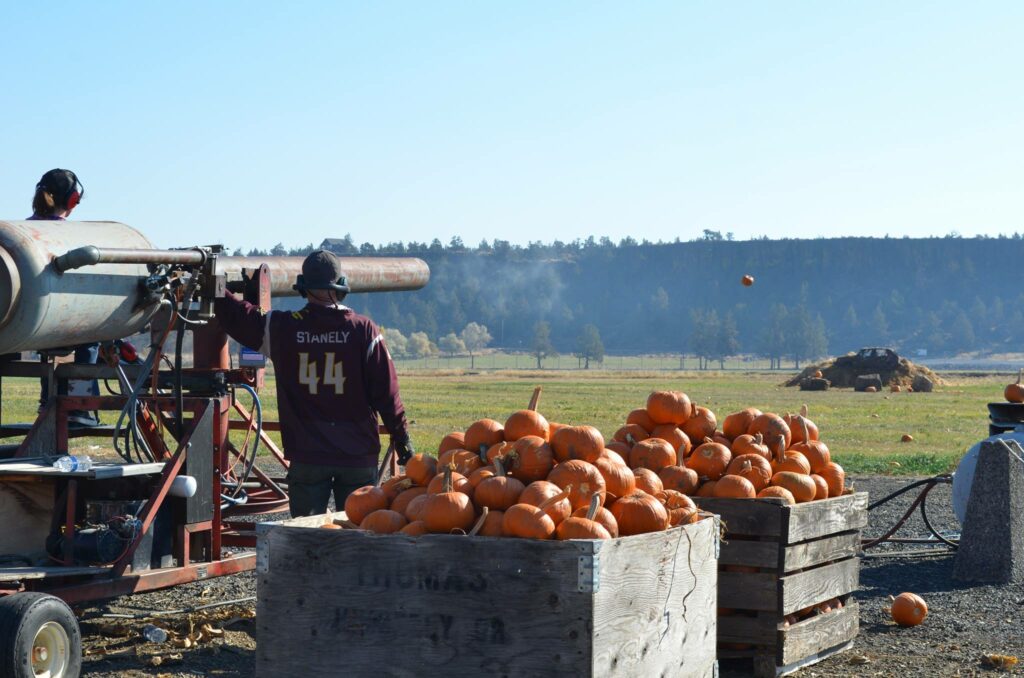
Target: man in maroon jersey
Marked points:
334	376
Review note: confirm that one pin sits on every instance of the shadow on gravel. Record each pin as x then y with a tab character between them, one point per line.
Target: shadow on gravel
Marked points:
884	576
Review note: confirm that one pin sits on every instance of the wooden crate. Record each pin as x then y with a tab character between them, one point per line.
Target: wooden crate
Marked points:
347	602
804	555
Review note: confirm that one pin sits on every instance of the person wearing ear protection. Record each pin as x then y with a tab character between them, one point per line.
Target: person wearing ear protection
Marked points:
58	192
334	376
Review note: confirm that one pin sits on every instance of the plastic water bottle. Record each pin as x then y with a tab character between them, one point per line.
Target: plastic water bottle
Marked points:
73	463
154	634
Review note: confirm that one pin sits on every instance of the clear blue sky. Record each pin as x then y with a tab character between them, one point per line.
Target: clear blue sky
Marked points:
252	123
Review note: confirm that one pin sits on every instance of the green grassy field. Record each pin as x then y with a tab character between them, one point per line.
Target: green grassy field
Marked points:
863	430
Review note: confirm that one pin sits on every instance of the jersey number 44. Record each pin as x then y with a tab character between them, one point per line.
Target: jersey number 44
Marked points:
333	374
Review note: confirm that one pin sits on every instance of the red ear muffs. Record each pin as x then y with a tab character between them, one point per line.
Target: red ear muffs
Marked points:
73	200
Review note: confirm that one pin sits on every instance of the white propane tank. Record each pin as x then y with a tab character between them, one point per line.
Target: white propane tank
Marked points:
964	475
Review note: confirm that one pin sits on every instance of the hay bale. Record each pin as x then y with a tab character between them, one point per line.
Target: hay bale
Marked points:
864	381
814	384
922	384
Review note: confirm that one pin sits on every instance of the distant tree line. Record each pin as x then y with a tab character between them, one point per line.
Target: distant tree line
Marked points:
811	297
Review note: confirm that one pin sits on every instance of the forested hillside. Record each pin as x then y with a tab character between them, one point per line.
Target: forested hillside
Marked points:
944	295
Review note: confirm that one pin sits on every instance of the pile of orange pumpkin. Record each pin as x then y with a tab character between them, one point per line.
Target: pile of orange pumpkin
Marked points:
755	454
535	479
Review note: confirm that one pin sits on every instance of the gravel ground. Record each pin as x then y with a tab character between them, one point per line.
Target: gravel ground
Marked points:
964	622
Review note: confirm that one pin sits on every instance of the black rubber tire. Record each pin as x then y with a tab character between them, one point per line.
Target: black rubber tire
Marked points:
21	617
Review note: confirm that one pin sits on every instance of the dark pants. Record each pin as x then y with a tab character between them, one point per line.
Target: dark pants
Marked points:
310	486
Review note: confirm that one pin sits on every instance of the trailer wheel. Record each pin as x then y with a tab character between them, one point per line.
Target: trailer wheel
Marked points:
39	637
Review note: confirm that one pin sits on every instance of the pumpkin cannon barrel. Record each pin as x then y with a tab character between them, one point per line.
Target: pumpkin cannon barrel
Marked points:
43	308
364	274
67	283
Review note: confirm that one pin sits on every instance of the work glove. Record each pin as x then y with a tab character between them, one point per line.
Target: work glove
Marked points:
404	449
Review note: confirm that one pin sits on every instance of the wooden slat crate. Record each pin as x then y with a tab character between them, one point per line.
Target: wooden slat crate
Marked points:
777	560
347	602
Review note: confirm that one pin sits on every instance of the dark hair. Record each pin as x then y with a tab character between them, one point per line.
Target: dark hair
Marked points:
54	192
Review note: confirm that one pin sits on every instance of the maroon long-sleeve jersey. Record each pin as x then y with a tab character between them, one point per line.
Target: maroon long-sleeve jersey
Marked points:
333	373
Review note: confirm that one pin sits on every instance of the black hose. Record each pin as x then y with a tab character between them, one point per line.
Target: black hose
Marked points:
928	524
907	488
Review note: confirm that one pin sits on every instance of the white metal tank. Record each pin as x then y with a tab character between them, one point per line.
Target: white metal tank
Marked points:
964	476
41	308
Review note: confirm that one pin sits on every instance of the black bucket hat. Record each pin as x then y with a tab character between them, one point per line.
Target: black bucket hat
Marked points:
321	270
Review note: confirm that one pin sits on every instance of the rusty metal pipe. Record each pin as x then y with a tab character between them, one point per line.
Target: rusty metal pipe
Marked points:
365	274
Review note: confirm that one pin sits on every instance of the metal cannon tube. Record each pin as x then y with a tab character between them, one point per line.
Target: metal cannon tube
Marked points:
68	283
365	274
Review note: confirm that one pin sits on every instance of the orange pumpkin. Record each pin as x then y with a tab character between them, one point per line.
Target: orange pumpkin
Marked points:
674	435
653	453
577	442
526	423
789	460
630	434
800	485
603	516
707	488
754	468
701	424
619	449
815	451
648	481
531	522
821	487
499	491
448	510
773	491
710	460
908	609
415	529
734	487
414	509
539	491
1014	393
364	501
455	440
530	459
585	527
401	502
638	513
483	433
770	425
421	468
491	526
748	444
669	407
618	478
383	521
641	419
459	483
679	478
465	462
583	478
835	477
737	423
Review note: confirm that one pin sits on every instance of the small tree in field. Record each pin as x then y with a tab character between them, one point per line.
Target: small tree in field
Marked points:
451	344
589	346
475	336
420	346
396	342
542	346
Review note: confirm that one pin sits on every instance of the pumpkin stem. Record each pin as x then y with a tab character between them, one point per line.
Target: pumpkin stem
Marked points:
555	499
483	452
499	468
535	399
348	524
803	410
446	483
632	441
479	522
708	440
803	425
595	503
759	439
780	450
